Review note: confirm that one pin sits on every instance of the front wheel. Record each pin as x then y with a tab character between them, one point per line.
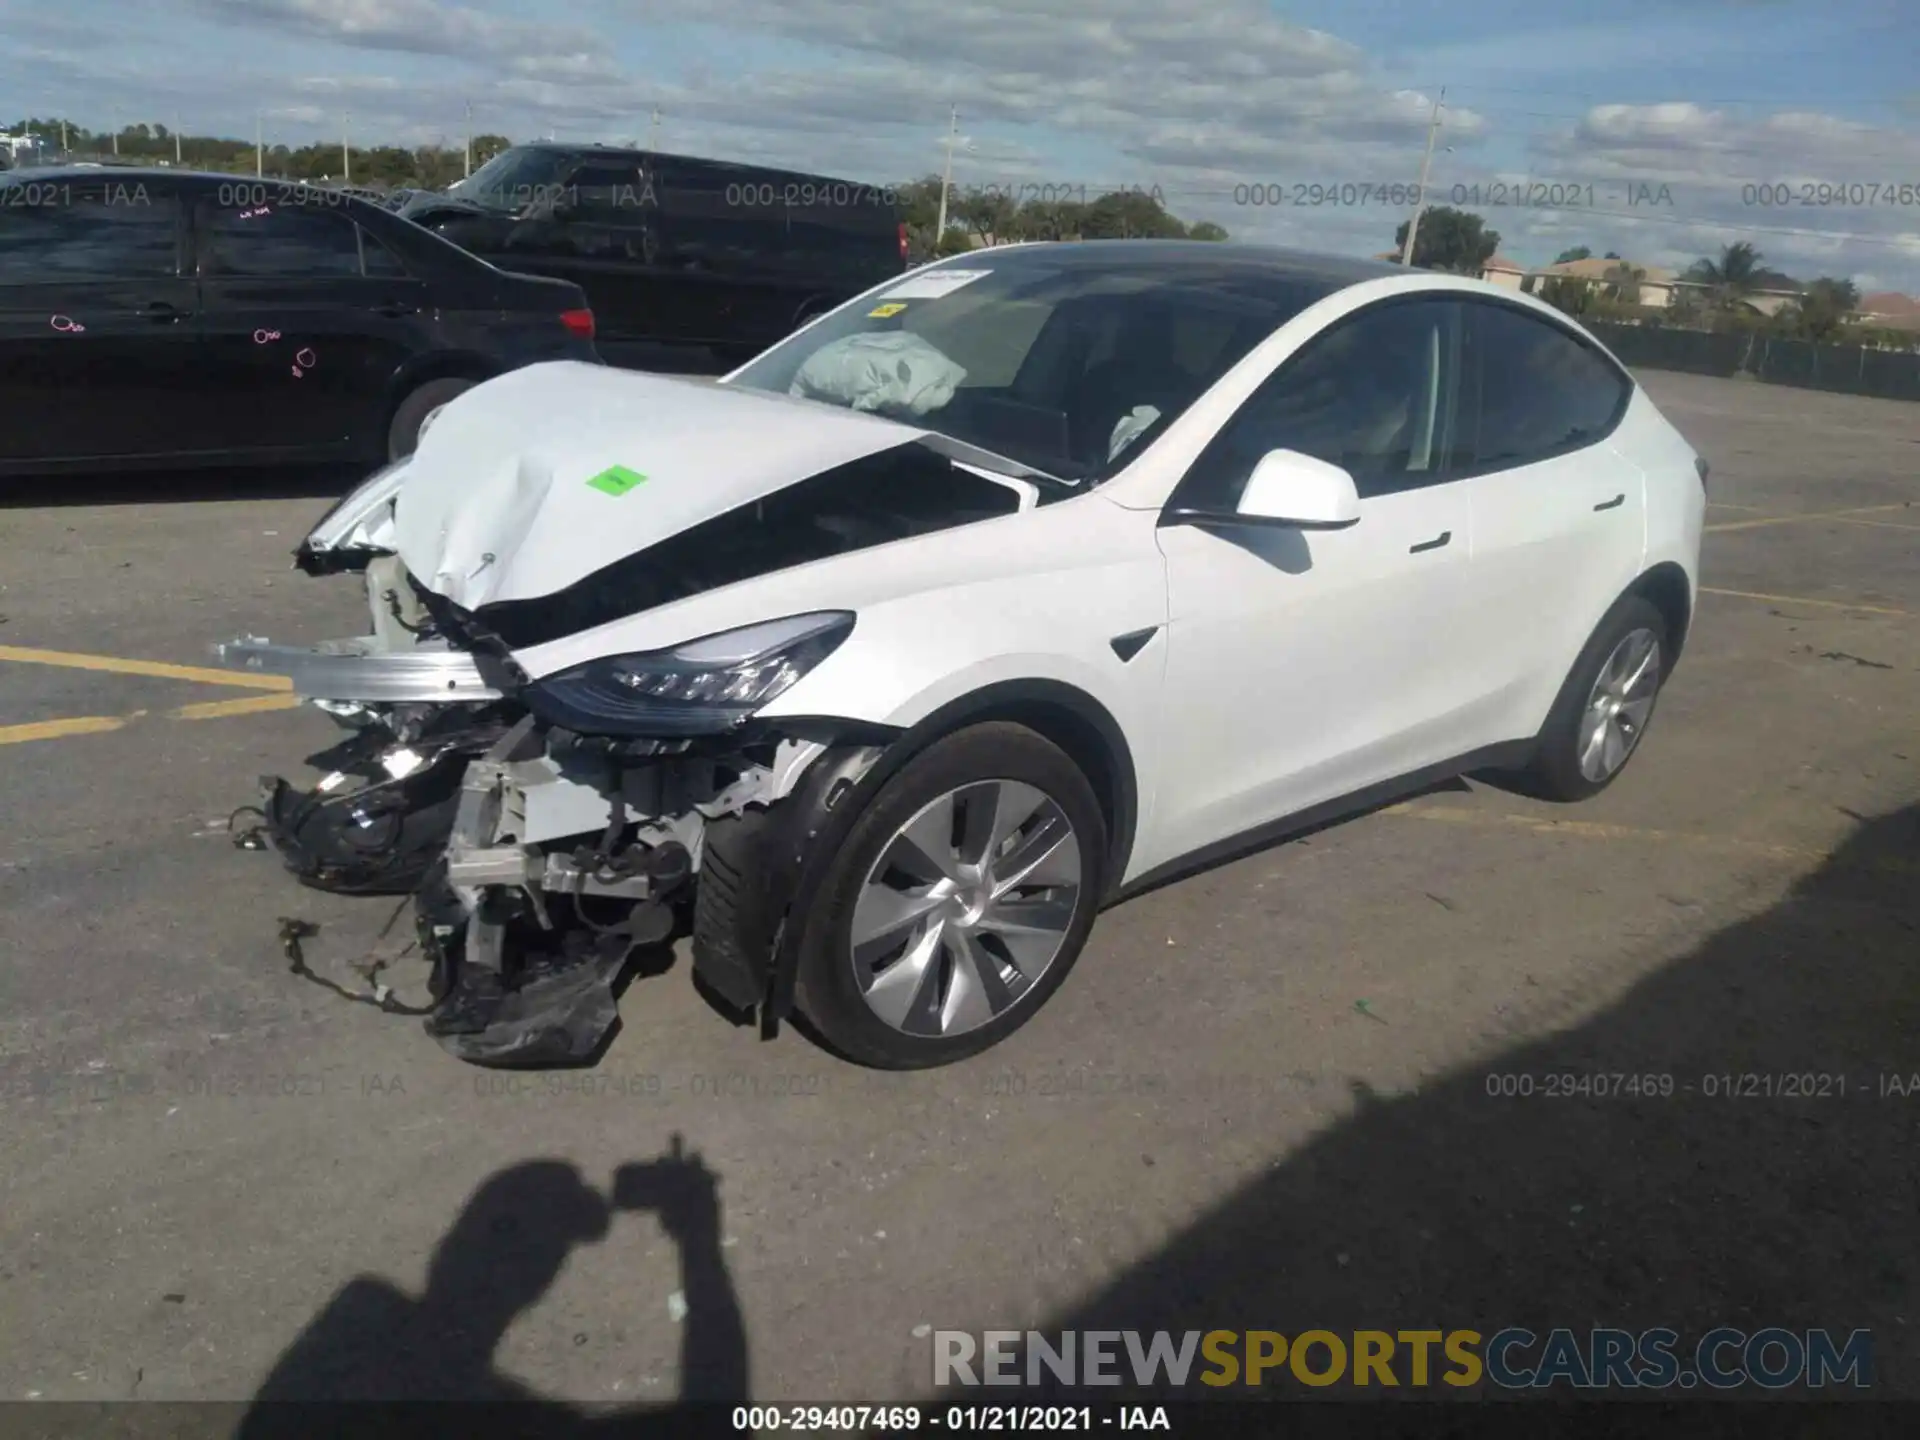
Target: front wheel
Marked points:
958	903
1605	706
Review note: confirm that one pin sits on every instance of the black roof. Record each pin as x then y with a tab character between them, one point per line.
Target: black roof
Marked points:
1209	257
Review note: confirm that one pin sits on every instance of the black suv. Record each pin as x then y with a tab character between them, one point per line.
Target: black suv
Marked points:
155	317
672	251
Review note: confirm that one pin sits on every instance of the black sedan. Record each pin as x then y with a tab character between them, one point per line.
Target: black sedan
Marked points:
160	318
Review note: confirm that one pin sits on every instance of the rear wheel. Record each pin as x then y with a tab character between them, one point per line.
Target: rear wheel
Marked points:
957	904
403	434
1605	706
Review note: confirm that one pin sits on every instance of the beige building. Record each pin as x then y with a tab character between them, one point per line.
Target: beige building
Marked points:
1890	310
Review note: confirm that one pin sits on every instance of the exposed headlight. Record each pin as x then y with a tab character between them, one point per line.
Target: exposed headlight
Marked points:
705	687
358	505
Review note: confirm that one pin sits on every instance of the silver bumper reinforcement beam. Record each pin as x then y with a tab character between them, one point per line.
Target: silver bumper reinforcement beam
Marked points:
359	669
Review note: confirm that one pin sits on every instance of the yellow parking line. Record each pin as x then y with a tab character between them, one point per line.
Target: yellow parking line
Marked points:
58	729
100	724
1800	519
219	709
200	675
1801	600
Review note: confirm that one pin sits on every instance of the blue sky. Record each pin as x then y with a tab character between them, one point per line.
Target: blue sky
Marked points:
1201	98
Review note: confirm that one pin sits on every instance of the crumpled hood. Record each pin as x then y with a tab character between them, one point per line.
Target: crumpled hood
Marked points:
537	479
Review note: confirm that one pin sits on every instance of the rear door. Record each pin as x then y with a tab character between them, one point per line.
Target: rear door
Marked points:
737	280
98	351
307	319
1559	516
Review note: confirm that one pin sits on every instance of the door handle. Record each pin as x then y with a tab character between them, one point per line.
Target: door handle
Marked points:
161	310
394	309
1614	504
1434	544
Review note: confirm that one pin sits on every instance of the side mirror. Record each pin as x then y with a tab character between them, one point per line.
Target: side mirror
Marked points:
1288	488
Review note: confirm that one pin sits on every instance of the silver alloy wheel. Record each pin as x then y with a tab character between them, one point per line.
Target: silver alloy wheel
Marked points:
1617	710
966	907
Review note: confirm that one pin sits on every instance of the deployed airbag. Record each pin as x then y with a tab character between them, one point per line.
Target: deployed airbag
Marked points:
893	370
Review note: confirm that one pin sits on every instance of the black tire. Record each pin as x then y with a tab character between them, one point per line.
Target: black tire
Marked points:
827	992
404	433
1555	772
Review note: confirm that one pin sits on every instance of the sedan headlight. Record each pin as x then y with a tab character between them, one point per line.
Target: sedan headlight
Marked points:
705	687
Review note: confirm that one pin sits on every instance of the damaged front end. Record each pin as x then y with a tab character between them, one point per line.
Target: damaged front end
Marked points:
547	831
551	828
564	860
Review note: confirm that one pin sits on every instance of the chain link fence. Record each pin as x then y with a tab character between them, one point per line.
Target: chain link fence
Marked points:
1853	369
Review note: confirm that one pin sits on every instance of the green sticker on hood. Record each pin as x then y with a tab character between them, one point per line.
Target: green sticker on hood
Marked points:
616	480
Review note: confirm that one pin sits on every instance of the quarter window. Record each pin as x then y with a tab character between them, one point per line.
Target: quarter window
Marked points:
1373	395
1540	391
274	240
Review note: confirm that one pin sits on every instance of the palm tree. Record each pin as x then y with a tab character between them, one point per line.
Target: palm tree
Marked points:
1732	276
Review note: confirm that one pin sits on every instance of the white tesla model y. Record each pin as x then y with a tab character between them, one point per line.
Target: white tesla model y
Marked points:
882	664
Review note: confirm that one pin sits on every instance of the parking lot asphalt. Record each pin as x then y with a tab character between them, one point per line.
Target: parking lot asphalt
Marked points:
1268	1097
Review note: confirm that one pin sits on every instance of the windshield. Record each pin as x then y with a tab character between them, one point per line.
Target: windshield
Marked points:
1068	365
515	178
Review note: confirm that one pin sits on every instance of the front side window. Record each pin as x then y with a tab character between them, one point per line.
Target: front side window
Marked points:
1540	391
58	230
608	193
1373	395
278	240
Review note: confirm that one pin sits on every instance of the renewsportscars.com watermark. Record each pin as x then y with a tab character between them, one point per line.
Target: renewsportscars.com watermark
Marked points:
1513	1358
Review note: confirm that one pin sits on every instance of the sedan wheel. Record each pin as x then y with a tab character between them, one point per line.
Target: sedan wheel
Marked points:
957	902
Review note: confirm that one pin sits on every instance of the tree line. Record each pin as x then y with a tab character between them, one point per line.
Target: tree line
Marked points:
976	214
1448	239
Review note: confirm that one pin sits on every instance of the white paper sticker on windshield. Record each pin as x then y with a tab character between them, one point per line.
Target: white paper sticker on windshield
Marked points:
933	284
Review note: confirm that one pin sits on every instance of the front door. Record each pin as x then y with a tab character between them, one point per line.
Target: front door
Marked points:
1305	665
307	322
98	352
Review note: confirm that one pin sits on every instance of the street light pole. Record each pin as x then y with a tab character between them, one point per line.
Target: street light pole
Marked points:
946	179
176	142
469	168
1420	195
259	154
346	151
653	132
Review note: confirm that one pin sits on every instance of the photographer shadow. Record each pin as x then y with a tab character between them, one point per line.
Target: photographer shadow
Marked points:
376	1355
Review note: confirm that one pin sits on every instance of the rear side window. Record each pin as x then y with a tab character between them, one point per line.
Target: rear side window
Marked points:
1540	392
58	230
273	240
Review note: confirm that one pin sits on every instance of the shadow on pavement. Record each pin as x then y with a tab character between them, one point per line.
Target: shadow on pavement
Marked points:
1456	1208
214	482
374	1343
